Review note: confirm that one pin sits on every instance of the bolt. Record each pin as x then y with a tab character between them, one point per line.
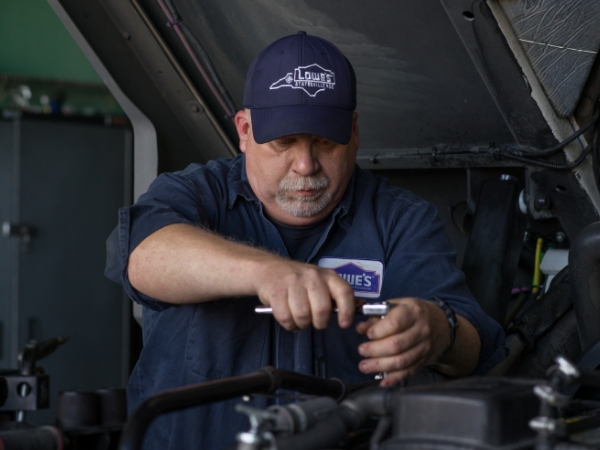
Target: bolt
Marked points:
195	107
542	201
567	367
560	237
506	177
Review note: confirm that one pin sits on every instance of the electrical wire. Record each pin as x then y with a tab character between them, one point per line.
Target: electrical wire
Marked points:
558	147
537	273
531	157
211	78
548	165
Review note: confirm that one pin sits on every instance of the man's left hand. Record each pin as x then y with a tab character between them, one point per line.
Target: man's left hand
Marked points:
413	334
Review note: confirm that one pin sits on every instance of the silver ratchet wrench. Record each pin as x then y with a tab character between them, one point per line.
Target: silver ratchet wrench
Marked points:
364	309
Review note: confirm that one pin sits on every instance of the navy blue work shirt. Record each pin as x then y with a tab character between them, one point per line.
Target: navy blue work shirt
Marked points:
385	241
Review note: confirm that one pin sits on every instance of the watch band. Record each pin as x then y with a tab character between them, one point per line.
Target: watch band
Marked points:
451	317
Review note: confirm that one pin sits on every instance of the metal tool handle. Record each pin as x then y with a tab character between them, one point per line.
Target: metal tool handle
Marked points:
364	309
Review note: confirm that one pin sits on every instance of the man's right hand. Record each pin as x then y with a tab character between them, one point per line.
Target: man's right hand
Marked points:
303	294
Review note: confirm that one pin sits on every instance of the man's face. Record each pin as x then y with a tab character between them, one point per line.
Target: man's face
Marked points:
301	178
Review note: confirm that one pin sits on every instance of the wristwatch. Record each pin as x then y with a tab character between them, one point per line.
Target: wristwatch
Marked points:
451	317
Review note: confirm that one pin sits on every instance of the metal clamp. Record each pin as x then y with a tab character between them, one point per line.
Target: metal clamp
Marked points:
259	437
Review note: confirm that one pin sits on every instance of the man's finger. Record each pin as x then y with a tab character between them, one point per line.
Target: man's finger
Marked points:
320	305
391	345
282	313
363	327
343	296
300	306
395	363
397	320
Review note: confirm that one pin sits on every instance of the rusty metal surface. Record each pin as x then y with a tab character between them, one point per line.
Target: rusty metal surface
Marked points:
561	40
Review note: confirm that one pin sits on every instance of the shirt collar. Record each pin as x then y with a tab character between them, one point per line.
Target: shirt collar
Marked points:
237	182
238	186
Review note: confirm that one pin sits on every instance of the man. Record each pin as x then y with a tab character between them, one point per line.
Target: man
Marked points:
291	223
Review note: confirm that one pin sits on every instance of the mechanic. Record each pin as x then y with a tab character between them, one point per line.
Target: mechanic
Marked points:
292	223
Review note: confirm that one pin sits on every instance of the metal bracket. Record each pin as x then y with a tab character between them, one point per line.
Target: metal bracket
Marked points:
27	393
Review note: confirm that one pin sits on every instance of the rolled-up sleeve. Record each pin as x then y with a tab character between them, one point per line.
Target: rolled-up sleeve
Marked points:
172	198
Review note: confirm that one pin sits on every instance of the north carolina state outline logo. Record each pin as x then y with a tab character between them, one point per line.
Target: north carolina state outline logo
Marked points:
312	79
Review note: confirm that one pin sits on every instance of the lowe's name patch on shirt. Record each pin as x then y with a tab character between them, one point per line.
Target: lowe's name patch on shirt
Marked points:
364	275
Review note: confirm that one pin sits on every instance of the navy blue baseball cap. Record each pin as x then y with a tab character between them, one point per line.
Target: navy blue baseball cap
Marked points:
301	84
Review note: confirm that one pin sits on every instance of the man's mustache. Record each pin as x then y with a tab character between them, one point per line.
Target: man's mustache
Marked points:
317	183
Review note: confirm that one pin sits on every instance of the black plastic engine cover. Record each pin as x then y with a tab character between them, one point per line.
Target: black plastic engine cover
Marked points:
482	413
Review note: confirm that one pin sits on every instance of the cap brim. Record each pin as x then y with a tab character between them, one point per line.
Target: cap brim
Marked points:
324	121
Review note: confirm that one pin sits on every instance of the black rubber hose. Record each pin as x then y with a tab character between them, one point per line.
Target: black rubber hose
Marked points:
326	434
266	380
350	416
373	401
584	269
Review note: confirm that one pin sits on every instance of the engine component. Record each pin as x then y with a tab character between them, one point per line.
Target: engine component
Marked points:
485	413
75	410
349	417
113	407
43	438
34	351
3	390
26	393
474	413
266	380
28	387
295	418
585	283
550	429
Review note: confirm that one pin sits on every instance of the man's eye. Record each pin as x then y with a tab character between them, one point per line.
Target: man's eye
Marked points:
285	142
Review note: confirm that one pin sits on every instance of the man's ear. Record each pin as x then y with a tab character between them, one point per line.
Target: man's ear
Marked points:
242	125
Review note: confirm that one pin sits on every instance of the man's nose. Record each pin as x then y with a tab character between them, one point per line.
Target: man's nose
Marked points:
305	159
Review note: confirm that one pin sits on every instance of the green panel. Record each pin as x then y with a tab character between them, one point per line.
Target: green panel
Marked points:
33	42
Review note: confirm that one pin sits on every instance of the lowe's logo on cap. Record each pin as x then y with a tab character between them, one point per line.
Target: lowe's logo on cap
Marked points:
311	79
364	275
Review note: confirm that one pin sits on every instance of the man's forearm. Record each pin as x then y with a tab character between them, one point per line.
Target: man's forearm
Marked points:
184	264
